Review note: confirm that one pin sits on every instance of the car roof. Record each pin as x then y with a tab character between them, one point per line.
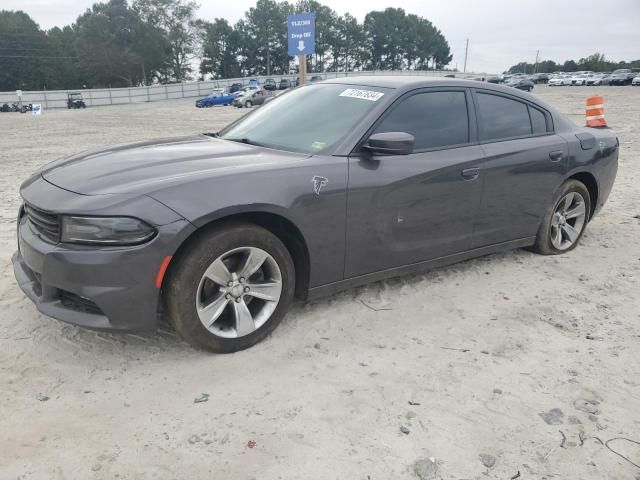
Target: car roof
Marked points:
410	82
403	83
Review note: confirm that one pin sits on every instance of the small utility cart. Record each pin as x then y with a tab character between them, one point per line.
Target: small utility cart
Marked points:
74	100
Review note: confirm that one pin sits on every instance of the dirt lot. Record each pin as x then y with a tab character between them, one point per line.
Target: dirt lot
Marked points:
445	366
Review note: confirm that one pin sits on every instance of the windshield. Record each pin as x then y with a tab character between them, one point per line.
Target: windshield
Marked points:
622	70
307	119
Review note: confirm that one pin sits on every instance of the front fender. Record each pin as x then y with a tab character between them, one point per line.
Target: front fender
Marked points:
287	191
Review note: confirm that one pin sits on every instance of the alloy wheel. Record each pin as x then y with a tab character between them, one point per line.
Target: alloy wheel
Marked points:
239	292
568	221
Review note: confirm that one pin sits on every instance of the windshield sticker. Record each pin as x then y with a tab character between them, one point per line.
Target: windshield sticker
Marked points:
362	94
318	145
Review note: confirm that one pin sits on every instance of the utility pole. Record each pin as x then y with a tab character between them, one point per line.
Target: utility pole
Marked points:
535	70
466	53
268	60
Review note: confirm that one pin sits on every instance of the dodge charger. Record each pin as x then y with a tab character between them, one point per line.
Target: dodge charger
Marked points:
329	186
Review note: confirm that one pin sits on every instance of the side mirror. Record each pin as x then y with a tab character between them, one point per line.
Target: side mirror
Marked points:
390	143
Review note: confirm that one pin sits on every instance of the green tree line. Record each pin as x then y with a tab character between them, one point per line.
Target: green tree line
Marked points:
119	44
596	63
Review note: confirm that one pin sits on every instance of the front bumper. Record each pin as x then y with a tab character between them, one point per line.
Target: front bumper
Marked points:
105	289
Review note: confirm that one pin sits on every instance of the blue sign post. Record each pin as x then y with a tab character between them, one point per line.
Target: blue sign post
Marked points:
301	30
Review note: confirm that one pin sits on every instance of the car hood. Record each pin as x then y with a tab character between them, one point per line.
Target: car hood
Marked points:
144	167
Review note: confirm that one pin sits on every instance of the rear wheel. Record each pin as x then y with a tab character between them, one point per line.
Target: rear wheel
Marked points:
248	104
564	223
230	288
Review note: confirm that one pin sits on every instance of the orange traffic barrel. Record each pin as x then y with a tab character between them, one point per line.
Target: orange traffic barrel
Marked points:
595	112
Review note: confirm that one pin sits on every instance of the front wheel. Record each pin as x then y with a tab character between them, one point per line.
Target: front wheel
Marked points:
564	223
230	288
248	104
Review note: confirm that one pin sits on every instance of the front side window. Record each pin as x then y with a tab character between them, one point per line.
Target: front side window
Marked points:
435	119
502	117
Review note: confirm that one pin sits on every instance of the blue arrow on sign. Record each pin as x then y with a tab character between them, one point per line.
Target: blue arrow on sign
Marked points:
301	30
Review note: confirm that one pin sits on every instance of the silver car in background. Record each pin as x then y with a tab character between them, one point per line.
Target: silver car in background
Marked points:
250	98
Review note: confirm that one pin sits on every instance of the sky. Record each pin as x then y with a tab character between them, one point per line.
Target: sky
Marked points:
501	33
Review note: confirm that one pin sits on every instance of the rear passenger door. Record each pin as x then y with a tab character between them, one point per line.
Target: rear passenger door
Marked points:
405	209
525	163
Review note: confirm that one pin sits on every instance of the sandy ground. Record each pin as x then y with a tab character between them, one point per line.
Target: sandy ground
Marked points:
463	360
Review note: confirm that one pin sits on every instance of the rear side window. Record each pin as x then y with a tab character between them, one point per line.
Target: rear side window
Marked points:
538	121
501	117
435	119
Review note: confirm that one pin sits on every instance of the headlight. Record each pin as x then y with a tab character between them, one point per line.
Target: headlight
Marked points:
105	230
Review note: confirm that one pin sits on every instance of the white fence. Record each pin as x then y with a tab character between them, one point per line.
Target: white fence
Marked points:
115	96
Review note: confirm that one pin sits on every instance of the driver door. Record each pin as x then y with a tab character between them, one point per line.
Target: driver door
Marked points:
405	209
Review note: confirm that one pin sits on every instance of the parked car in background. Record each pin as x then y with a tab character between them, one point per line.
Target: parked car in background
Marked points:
284	84
579	79
218	97
494	80
316	78
270	84
598	79
235	87
520	83
250	98
559	81
540	78
74	100
622	76
636	81
328	187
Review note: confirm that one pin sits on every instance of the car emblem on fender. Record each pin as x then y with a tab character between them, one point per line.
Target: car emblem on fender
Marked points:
318	183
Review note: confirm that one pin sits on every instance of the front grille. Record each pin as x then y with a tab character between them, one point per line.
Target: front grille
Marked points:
47	225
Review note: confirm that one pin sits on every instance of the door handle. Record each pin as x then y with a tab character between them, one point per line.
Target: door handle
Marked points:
470	173
556	155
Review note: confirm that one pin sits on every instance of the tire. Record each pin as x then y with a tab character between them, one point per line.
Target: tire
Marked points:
551	223
248	104
188	294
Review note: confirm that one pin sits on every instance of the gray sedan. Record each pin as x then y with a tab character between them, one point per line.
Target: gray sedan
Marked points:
250	98
330	186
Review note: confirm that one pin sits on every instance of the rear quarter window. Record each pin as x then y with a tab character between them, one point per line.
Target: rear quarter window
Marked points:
538	121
